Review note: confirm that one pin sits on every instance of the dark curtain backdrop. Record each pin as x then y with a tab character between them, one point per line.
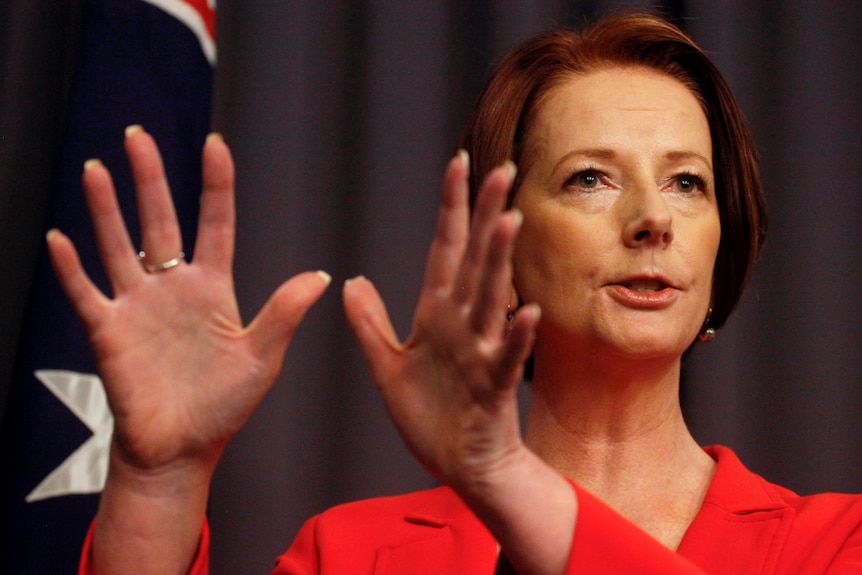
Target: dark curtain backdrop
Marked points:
341	116
38	45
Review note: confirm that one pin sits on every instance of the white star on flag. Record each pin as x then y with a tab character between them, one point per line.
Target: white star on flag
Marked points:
86	469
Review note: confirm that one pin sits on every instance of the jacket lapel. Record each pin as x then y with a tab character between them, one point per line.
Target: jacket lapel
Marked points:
742	524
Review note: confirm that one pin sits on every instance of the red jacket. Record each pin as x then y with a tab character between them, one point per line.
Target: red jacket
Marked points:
745	526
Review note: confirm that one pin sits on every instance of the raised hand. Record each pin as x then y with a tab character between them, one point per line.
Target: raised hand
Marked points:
181	372
451	387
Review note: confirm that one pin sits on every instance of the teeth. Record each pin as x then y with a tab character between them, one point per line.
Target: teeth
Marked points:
645	285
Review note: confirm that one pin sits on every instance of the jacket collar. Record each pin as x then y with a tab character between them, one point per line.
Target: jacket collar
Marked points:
742	523
737	490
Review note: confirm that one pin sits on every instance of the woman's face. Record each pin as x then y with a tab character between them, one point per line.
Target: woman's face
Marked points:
621	226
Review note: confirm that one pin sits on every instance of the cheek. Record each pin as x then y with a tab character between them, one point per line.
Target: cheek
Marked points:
528	262
554	258
701	254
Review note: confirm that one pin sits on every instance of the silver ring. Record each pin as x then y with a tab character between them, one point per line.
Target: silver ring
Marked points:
153	268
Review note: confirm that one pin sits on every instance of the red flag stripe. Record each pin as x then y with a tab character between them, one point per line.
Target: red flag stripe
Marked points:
199	16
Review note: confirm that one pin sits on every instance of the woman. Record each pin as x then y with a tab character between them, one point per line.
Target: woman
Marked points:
638	214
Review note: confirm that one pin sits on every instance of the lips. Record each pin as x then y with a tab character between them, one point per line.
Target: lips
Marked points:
644	292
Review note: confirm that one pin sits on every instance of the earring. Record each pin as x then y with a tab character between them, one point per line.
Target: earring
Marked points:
510	315
707	333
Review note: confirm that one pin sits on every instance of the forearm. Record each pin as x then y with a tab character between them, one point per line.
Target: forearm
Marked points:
530	509
149	522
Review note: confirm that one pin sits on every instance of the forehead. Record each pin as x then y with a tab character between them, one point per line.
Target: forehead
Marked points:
621	107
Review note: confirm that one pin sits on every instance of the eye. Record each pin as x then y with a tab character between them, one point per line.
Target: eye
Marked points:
688	183
585	180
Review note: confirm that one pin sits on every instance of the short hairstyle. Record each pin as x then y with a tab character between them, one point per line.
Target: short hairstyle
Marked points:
503	117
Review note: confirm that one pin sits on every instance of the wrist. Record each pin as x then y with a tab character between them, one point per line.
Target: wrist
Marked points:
142	510
180	478
529	508
489	477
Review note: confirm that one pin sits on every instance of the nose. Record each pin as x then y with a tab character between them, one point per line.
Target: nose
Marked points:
648	218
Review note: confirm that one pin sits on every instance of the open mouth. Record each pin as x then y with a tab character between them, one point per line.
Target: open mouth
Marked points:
644	285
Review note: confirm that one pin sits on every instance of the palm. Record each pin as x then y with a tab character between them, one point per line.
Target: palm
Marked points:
175	358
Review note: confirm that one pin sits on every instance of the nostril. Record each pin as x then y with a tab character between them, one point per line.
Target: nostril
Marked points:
642	235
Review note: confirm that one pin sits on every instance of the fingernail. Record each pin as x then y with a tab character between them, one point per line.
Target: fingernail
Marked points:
92	163
512	168
537	311
464	156
133	129
351	280
215	137
325	276
517	217
52	233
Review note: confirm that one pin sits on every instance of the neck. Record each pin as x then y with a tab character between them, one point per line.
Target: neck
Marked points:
611	401
619	432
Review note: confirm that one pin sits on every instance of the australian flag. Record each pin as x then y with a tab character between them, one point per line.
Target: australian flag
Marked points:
147	62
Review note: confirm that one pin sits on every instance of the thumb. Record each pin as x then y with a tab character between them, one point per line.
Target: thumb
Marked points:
272	329
370	322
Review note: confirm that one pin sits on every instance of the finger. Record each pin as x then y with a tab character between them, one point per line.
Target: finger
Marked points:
490	202
271	331
85	297
488	313
217	223
112	237
160	233
367	316
518	346
452	227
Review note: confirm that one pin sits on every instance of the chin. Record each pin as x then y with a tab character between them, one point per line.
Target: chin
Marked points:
646	344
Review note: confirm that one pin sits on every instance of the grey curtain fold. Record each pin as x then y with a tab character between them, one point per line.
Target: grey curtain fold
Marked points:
37	48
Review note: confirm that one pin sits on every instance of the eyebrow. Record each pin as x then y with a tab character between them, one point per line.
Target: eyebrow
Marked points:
601	153
683	155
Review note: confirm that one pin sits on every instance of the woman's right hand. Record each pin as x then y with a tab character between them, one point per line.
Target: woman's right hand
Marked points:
181	372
